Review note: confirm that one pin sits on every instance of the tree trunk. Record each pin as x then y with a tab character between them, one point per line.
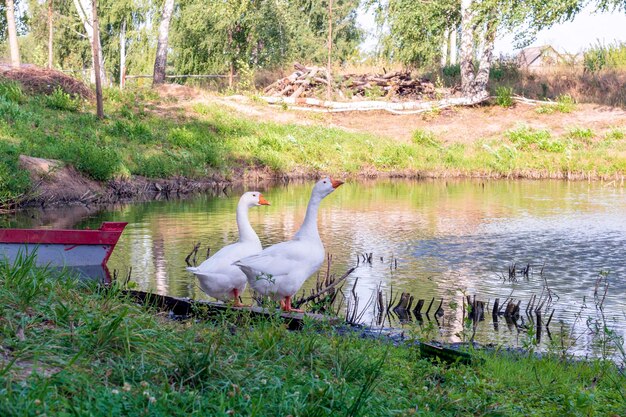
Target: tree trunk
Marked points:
13	45
482	77
161	56
330	50
122	53
231	74
444	48
85	12
95	47
50	34
453	49
467	46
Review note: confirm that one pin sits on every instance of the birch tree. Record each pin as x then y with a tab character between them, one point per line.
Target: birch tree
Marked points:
12	29
85	13
160	61
50	34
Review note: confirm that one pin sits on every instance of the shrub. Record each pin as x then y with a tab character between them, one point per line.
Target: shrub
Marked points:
504	96
422	137
452	71
614	134
99	162
134	131
13	180
155	166
525	137
61	100
9	110
564	104
182	137
580	133
11	91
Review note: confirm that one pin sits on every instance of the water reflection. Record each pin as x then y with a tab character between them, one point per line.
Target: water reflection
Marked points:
449	239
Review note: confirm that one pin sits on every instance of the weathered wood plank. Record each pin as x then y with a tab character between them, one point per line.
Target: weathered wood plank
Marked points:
187	307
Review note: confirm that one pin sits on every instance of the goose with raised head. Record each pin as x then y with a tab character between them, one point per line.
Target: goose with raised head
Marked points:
280	270
217	276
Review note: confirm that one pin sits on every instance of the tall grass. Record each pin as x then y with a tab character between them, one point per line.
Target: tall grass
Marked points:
70	347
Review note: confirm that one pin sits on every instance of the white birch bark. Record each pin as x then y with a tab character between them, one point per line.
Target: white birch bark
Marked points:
13	45
467	46
444	48
160	61
122	53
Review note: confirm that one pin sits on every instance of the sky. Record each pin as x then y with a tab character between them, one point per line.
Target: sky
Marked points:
588	28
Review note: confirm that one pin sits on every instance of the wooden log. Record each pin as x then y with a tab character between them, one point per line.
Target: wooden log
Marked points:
185	307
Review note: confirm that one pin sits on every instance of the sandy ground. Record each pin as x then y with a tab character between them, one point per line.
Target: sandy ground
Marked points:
461	124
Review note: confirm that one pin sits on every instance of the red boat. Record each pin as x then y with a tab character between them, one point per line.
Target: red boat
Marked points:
61	248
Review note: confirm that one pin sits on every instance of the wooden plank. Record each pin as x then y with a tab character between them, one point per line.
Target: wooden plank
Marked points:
186	307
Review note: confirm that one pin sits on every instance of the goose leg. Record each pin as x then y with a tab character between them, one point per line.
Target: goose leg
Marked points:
287	307
236	298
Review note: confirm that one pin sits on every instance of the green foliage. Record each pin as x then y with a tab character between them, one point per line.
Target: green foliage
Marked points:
99	162
526	138
417	29
11	91
61	100
422	137
563	104
155	166
452	71
504	96
615	134
581	133
13	180
598	57
210	37
9	110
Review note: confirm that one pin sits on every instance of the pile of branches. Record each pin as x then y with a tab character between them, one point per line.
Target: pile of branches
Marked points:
44	81
313	82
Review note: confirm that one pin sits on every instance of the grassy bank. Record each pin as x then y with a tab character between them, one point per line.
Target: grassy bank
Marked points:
71	348
147	135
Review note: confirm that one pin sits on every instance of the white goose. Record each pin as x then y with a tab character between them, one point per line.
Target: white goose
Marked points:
280	270
218	277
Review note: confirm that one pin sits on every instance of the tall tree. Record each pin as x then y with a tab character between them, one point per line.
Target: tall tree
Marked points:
86	14
13	45
96	52
160	61
50	34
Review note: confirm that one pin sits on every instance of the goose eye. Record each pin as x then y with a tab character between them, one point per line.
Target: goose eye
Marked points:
324	182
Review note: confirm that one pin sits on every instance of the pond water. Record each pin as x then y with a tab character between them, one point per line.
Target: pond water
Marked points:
435	239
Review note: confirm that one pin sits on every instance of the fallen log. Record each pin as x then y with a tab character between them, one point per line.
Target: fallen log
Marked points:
186	307
409	107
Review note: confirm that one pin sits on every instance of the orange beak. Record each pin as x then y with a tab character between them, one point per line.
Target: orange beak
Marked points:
335	183
263	201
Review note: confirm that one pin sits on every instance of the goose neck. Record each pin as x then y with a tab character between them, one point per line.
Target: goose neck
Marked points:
246	232
309	226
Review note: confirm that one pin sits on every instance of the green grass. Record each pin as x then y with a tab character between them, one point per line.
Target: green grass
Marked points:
134	139
563	104
61	100
69	347
504	96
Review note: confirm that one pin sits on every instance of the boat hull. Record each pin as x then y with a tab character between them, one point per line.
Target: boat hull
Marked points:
62	248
